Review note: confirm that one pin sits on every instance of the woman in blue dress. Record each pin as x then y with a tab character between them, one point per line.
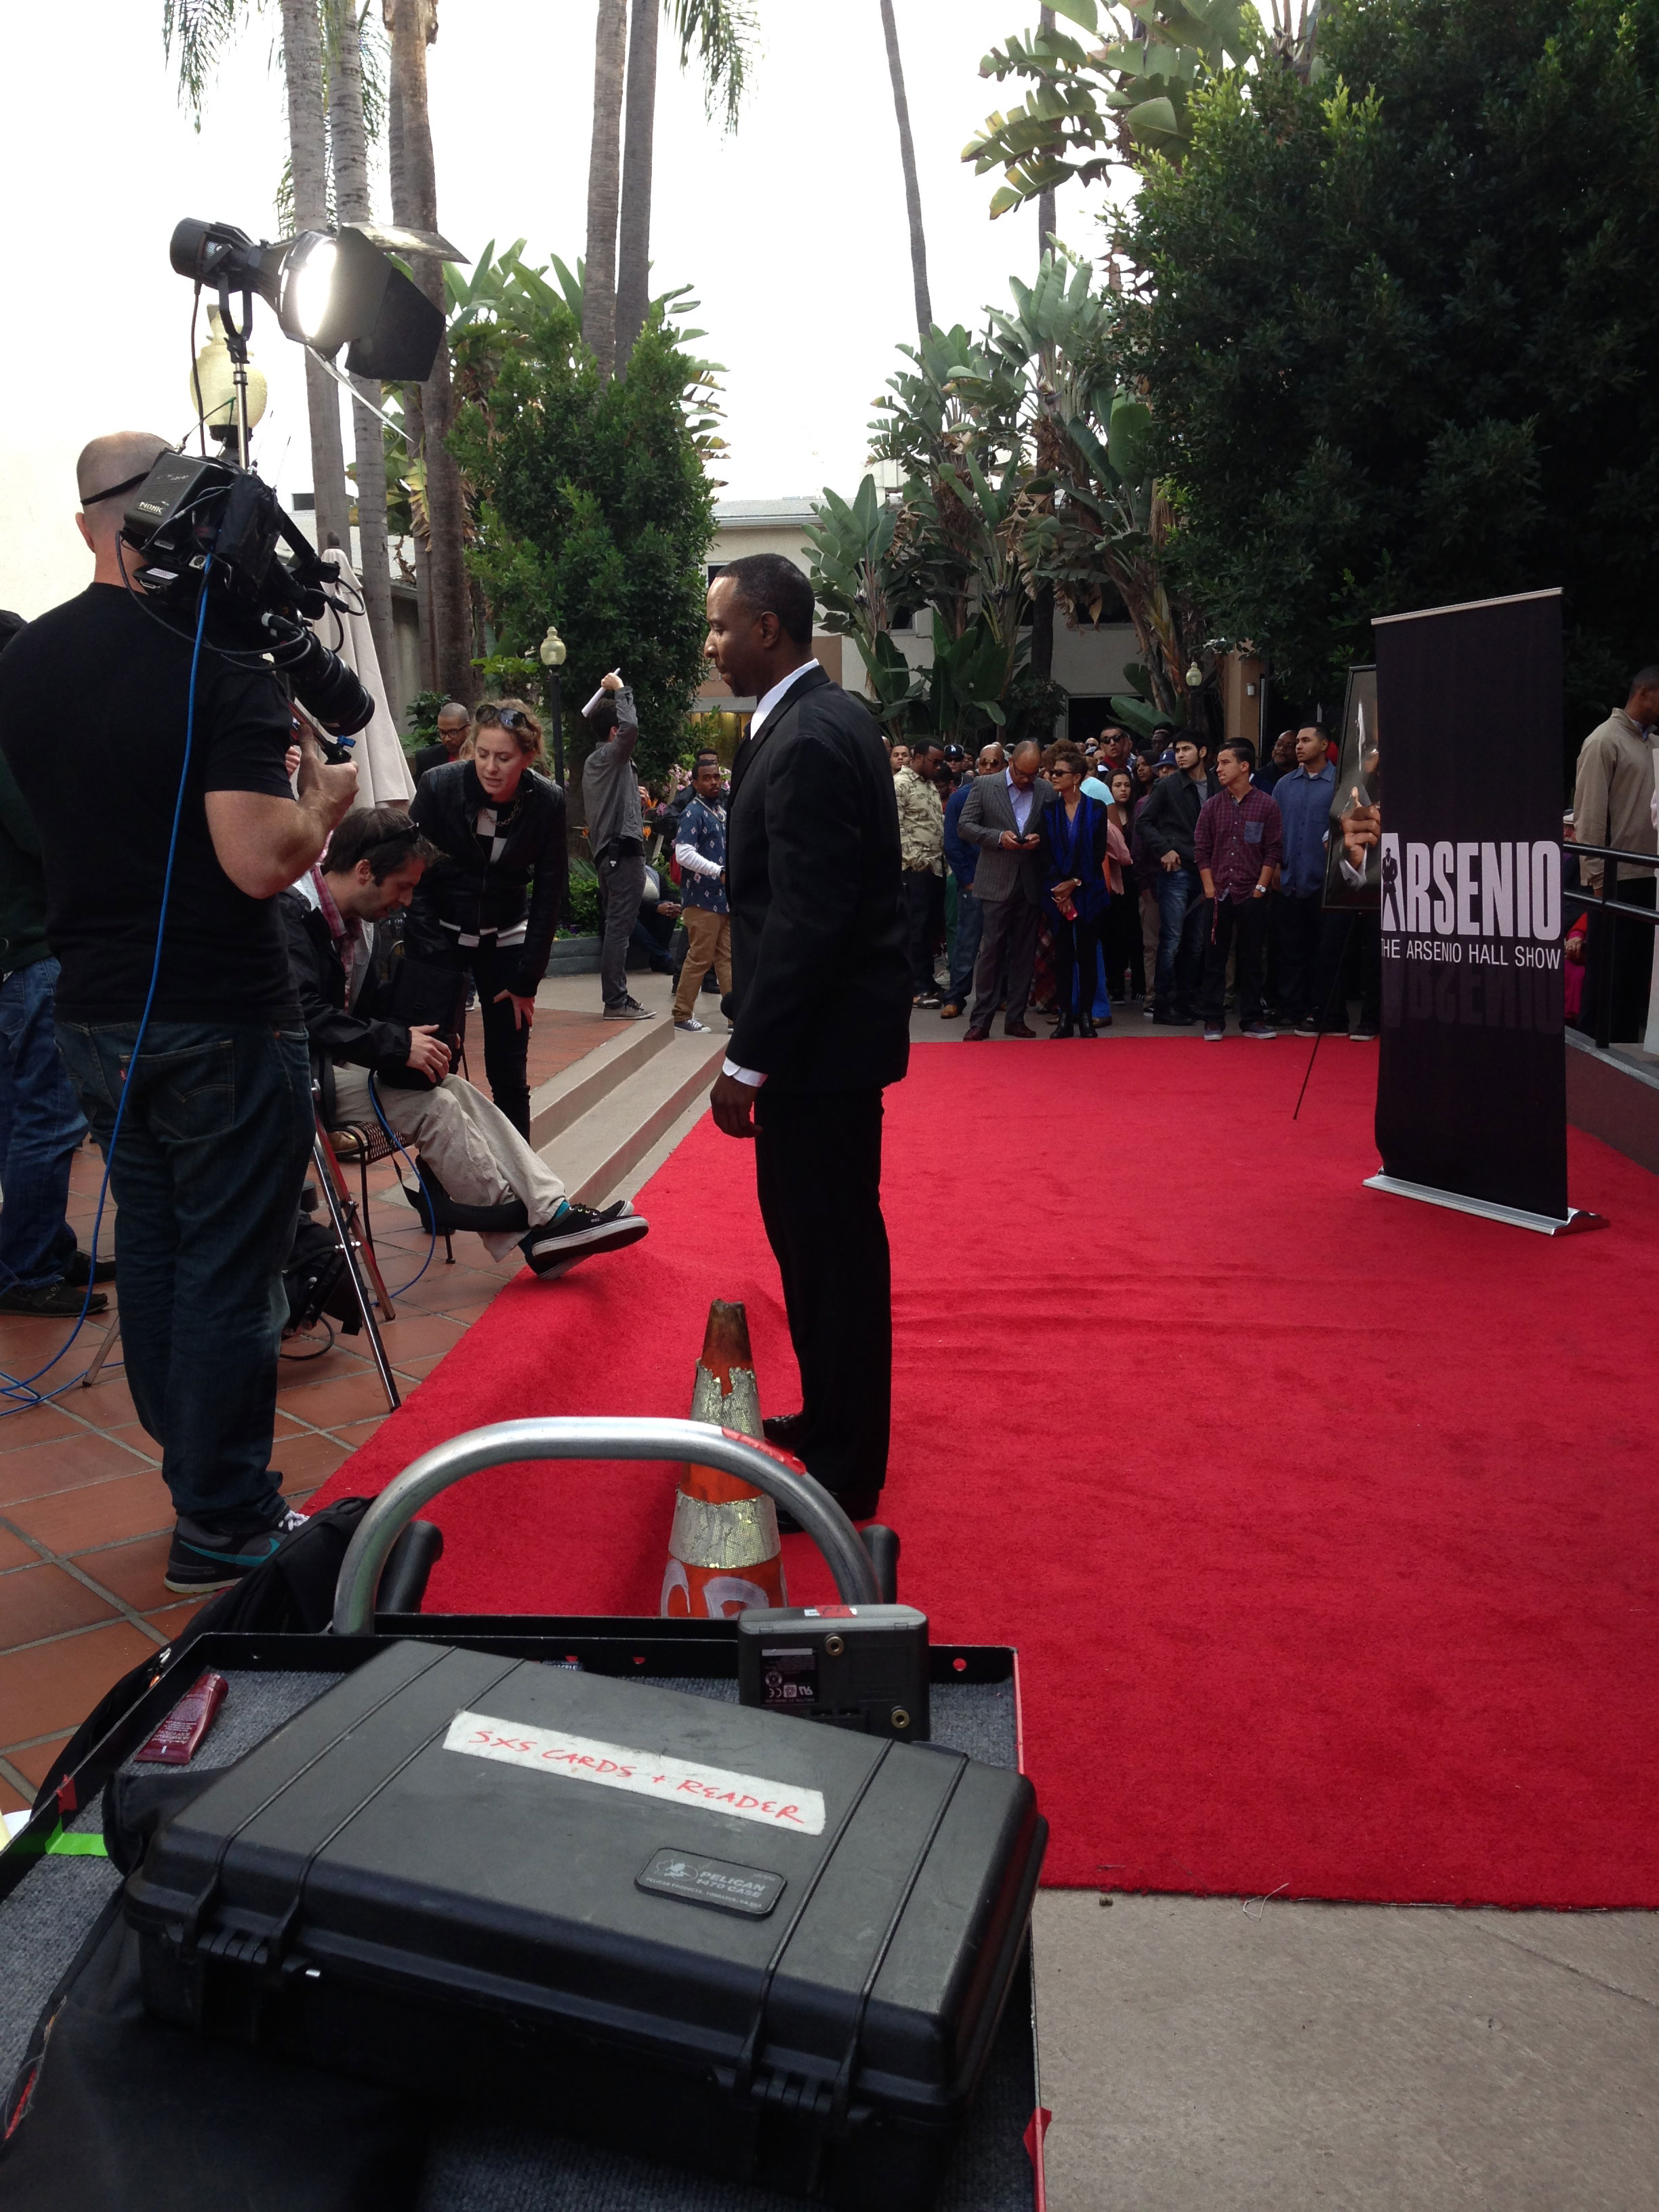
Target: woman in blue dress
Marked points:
1075	894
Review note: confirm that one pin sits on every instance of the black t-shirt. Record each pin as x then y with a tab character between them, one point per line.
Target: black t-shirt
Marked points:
93	701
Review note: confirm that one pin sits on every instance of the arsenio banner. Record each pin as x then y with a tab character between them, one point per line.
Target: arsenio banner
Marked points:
1471	1099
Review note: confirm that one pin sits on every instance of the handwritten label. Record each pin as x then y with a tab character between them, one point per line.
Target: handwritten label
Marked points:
646	1773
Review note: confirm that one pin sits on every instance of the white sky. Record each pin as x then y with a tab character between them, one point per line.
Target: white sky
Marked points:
792	233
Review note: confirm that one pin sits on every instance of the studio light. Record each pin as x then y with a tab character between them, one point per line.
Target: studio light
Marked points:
309	286
329	289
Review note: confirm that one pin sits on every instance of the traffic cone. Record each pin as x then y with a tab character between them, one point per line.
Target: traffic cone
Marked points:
723	1555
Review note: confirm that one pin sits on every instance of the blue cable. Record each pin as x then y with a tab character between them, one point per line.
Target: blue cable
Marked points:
13	1386
431	1204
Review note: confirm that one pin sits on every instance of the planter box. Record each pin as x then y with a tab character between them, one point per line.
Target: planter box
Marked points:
574	956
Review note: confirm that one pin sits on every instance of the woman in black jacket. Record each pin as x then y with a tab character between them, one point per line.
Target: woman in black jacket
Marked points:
492	901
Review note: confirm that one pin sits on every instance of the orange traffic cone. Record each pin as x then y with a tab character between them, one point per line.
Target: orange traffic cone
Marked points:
723	1556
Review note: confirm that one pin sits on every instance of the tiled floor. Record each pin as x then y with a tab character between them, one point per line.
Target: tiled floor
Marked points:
84	1516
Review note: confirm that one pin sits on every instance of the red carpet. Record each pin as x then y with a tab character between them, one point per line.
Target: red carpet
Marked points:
1327	1524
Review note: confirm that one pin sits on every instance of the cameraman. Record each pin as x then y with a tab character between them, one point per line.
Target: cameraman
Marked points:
468	1147
95	699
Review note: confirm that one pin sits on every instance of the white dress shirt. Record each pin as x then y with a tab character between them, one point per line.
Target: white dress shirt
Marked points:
768	701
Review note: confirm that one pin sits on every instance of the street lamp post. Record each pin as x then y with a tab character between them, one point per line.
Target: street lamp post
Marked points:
552	652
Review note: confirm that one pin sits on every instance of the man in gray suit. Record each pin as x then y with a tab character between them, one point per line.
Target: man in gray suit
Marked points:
1001	815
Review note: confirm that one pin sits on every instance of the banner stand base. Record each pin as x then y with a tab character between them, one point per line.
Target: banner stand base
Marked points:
1577	1223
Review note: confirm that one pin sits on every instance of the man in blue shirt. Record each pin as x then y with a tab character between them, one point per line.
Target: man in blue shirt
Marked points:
1303	798
963	944
700	849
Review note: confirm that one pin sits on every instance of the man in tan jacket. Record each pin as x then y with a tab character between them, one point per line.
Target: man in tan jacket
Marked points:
1612	804
921	849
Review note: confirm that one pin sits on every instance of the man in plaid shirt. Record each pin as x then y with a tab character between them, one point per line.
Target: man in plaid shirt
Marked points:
1239	842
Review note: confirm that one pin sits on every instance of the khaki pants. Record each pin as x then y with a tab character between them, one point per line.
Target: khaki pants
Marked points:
474	1150
708	945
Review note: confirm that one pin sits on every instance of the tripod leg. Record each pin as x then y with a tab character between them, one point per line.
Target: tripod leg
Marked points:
339	1211
105	1348
342	1205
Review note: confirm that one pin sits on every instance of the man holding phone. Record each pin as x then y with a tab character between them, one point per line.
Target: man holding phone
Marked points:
1002	815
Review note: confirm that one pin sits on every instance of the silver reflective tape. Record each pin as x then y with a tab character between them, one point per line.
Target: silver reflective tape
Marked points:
741	1411
741	1535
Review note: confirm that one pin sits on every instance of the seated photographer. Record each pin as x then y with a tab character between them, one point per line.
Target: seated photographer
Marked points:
345	973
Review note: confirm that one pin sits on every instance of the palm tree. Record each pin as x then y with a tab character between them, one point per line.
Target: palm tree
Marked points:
908	159
723	32
349	145
634	238
201	29
604	185
445	602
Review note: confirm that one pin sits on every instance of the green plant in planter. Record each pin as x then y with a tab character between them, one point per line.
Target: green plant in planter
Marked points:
422	715
584	899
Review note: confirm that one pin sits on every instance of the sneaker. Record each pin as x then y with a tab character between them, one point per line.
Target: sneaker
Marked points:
1148	1012
1213	1033
576	1233
201	1559
1361	1034
696	1027
60	1301
928	999
627	1010
1257	1029
1307	1026
80	1269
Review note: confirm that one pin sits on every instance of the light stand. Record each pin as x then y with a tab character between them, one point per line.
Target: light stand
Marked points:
552	653
236	338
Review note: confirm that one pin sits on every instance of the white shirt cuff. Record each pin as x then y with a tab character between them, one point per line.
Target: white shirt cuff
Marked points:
751	1076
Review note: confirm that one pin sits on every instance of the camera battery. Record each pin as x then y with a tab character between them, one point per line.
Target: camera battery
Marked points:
862	1667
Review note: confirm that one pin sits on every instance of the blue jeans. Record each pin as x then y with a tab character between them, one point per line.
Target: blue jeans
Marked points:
964	944
206	1177
40	1127
1181	908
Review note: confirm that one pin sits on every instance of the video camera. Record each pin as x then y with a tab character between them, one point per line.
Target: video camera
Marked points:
191	508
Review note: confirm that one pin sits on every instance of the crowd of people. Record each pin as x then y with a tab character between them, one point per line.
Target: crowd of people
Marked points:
1077	878
316	954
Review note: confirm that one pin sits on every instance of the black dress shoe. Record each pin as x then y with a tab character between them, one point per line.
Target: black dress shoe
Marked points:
79	1269
785	1430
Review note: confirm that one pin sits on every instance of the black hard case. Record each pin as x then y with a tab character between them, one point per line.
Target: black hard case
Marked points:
353	1895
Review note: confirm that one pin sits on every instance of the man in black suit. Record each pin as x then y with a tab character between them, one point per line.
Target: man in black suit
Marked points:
821	994
454	727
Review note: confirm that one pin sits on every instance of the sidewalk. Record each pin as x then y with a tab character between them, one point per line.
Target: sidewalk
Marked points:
84	1517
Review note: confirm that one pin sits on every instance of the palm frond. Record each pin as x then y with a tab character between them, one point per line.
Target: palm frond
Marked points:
201	30
726	35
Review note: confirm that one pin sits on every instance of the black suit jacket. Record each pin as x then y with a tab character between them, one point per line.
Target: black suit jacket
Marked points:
820	982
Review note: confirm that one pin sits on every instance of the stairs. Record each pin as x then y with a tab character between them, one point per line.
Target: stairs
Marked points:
604	1124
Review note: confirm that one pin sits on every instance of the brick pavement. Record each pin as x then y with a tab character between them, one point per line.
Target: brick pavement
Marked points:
84	1517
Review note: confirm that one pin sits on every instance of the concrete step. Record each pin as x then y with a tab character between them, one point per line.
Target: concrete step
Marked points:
595	1153
564	1098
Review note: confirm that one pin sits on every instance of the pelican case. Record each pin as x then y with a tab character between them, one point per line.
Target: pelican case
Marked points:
686	1929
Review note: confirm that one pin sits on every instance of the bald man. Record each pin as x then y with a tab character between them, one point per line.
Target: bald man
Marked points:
215	1109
